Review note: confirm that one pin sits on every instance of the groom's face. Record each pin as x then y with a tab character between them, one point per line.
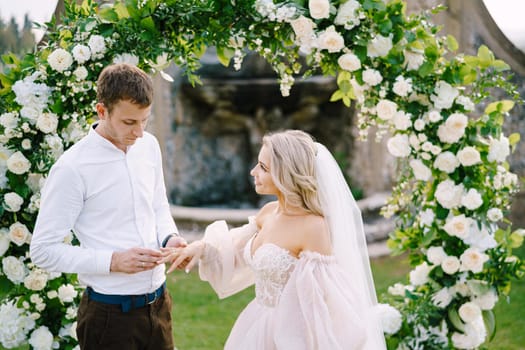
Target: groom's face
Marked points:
261	174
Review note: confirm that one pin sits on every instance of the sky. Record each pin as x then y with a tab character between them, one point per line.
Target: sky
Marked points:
508	14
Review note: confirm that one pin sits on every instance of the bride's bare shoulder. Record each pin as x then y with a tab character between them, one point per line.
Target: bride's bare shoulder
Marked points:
316	236
267	209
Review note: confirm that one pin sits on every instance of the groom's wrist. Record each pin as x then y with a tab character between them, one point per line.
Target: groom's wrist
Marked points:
167	238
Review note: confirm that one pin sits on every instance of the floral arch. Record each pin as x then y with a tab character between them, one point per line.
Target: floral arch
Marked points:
454	185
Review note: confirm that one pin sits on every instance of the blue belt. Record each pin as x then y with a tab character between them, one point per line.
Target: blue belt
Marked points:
127	302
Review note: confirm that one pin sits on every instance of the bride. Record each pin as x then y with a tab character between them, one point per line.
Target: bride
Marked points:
305	252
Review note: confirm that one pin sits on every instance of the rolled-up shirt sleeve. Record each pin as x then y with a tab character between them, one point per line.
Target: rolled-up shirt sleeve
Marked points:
61	203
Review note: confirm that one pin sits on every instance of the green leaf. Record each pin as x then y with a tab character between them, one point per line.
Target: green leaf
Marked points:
148	24
486	57
336	96
121	10
502	106
500	65
516	240
5	287
455	320
108	14
490	323
452	43
347	101
514	138
499	235
224	55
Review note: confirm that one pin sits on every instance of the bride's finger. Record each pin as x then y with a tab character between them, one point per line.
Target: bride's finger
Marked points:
192	263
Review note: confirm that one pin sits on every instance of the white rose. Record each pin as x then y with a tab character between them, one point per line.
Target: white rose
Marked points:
18	164
435	255
494	214
30	113
498	149
349	62
14	269
448	194
9	120
372	77
458	226
71	313
379	46
126	58
319	8
47	122
480	238
403	86
434	116
472	260
444	95
419	275
80	73
446	162
426	217
420	170
18	233
472	199
36	280
67	293
60	60
41	339
303	28
469	312
13	202
390	318
435	150
330	40
486	301
26	144
466	103
450	265
419	124
510	180
398	146
347	14
453	129
442	298
386	109
52	294
402	120
397	289
413	60
97	44
469	156
81	53
473	336
4	241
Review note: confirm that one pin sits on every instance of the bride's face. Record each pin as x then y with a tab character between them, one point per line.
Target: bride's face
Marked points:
261	174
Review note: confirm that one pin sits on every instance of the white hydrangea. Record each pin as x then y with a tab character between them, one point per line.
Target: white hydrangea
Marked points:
15	325
494	214
390	317
348	14
499	150
419	275
80	73
41	339
372	77
97	45
402	86
444	95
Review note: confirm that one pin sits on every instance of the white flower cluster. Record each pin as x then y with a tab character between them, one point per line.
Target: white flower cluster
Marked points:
15	325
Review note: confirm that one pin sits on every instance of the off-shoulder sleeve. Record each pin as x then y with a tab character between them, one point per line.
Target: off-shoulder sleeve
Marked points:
223	264
320	309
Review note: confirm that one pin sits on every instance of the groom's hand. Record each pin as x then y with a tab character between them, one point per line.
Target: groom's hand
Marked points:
135	260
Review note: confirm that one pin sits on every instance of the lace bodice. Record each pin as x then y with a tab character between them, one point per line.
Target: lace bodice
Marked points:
272	266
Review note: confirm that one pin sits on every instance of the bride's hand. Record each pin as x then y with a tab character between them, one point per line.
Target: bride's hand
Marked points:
183	257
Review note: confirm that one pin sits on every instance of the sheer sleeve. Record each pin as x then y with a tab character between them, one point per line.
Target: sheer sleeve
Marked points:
319	308
222	263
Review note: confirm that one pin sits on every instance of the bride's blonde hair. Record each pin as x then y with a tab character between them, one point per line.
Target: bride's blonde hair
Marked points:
292	168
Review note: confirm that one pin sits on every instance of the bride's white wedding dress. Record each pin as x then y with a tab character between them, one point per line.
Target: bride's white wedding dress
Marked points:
301	303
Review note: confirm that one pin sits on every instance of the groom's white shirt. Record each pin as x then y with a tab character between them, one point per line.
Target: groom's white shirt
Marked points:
113	201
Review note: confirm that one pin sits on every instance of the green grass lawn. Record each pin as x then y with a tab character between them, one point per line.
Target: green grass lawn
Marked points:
202	322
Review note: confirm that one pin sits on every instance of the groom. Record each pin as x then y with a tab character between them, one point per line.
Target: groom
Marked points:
109	189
